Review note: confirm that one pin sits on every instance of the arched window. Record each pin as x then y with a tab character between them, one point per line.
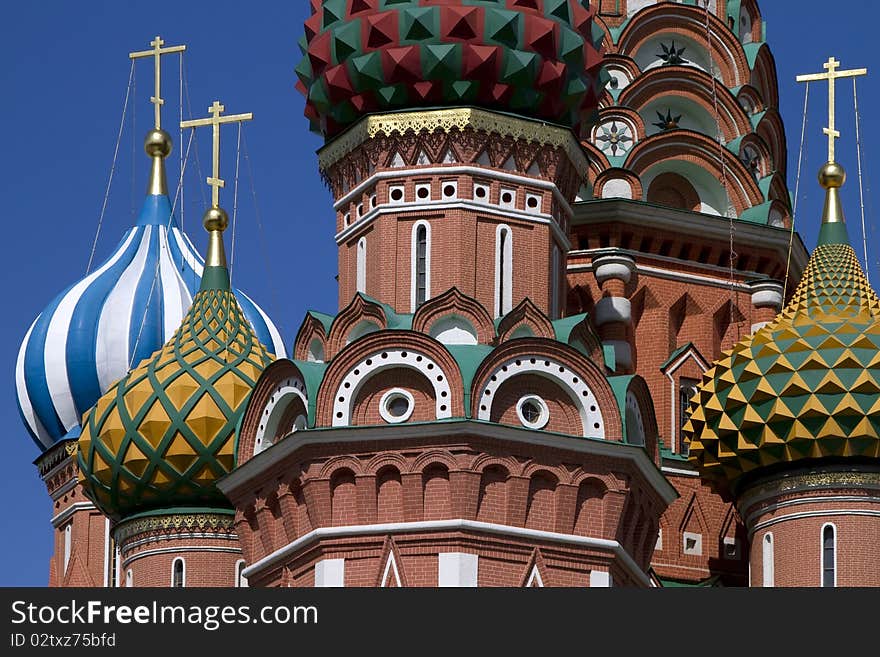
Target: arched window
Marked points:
178	574
68	544
421	264
829	556
240	580
362	265
129	578
503	270
687	388
767	558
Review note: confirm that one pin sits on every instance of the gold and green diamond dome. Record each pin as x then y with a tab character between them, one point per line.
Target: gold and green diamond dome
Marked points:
805	386
164	434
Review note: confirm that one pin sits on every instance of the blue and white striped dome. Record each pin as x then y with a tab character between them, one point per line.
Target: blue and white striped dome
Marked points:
96	330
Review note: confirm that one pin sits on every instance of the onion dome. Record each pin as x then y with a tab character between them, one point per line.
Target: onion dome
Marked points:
805	386
92	333
540	59
165	433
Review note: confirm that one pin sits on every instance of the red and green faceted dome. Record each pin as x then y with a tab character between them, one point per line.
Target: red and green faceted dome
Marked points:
538	58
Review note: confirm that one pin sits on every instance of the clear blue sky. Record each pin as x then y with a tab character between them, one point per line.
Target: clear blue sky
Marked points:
63	80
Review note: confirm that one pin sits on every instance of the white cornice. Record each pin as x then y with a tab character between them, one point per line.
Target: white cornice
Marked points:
60	518
253	468
449	525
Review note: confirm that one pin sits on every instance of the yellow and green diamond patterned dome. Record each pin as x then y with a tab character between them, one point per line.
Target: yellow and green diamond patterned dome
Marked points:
805	386
164	434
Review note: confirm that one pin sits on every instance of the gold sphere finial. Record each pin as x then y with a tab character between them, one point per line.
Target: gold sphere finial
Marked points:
832	176
157	143
215	219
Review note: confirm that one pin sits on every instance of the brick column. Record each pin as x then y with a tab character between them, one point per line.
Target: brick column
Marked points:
612	315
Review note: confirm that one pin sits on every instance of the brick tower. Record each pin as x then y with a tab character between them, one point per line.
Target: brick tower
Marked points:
451	425
680	238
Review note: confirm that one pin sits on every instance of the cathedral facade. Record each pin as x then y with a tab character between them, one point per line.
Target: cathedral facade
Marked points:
552	218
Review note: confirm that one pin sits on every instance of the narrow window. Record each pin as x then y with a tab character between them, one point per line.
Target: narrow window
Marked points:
829	557
554	284
421	264
67	544
129	578
178	574
503	271
362	265
240	579
767	556
687	388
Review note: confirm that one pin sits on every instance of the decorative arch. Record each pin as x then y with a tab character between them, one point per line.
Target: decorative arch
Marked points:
772	131
752	146
579	377
338	463
673	190
453	302
638	390
381	351
764	76
615	182
526	316
312	329
621	68
433	457
727	52
691	147
361	308
280	385
749	98
693	85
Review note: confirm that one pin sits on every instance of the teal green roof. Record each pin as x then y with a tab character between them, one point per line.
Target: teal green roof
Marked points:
469	357
325	319
563	327
675	584
752	50
675	354
757	214
402	321
313	375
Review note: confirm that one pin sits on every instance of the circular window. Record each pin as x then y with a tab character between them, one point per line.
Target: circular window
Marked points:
396	406
396	194
532	412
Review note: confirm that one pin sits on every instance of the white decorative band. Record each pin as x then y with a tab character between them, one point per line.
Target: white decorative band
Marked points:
62	517
128	547
185	548
813	499
813	514
449	525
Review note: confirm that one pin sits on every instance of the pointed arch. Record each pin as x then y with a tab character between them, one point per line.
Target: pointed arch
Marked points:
526	320
764	77
454	303
361	309
312	331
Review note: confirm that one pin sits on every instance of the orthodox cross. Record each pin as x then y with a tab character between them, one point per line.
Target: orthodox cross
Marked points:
156	53
832	74
216	121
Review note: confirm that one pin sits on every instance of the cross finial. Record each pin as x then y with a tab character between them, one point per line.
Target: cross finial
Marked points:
215	120
156	53
832	74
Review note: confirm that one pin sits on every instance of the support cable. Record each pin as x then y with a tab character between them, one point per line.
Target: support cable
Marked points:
797	185
861	192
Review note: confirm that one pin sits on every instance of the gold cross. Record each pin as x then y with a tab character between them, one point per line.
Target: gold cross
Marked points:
832	74
157	52
216	120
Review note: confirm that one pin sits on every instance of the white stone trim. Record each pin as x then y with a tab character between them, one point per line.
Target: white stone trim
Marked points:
503	294
460	569
535	578
274	410
390	569
375	363
106	578
240	580
480	172
68	544
328	573
697	540
361	265
543	418
383	405
459	428
815	514
671	275
414	260
600	579
768	561
673	392
185	548
458	204
822	552
450	525
584	398
66	487
60	518
812	499
680	472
